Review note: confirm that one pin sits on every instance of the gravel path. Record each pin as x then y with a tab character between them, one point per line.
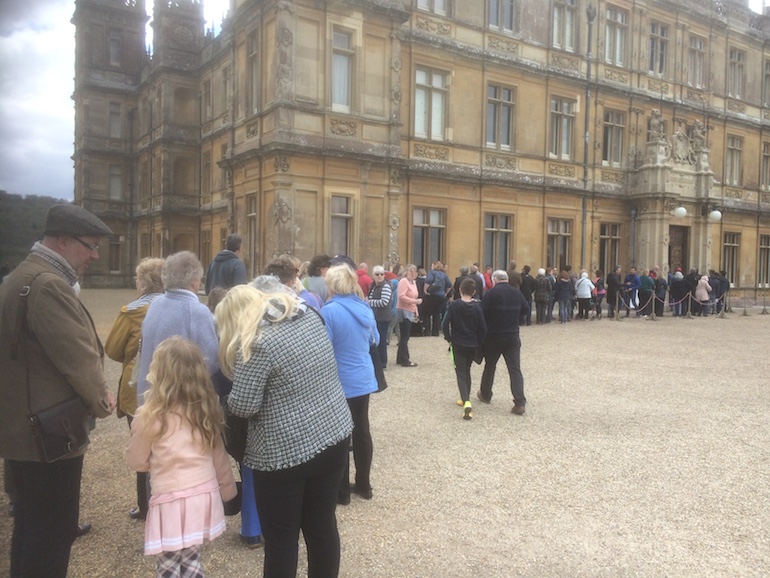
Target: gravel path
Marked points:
643	452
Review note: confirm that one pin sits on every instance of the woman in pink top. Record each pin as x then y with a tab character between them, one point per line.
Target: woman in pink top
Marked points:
406	311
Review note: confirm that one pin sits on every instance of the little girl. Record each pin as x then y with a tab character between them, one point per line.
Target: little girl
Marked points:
177	436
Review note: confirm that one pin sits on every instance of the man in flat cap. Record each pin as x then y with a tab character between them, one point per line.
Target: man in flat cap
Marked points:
49	353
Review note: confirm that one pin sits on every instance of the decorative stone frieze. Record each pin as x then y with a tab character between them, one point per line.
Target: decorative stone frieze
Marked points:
501	45
430	152
561	170
343	127
500	162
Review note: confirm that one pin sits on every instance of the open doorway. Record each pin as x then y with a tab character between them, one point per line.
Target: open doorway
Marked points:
678	243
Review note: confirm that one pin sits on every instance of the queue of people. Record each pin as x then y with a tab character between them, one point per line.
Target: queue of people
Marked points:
277	372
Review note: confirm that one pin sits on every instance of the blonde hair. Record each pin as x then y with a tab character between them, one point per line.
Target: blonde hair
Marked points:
341	280
239	318
179	381
148	273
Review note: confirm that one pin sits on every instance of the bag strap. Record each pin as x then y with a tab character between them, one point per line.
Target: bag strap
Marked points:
21	331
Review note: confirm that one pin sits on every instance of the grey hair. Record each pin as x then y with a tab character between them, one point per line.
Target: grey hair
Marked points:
464	270
268	284
500	275
378	269
181	270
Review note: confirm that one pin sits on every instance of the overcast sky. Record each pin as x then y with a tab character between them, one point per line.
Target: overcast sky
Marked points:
37	60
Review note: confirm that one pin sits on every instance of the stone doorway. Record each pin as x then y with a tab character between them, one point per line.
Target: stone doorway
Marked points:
678	243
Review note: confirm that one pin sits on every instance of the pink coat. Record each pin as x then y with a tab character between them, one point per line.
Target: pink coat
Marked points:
702	290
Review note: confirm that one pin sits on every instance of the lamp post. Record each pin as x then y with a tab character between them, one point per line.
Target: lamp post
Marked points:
590	15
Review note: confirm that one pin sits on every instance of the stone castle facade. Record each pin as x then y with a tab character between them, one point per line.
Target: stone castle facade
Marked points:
550	132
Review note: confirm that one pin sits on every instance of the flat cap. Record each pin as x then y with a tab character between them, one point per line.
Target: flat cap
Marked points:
71	219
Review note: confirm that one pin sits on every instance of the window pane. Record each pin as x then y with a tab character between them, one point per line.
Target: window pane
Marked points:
421	112
491	123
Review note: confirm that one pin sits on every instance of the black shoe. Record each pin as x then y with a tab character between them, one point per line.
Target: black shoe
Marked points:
83	529
365	494
136	514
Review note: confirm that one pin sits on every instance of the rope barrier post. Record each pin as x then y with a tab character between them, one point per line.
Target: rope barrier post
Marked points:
723	309
653	298
617	305
689	305
764	303
745	306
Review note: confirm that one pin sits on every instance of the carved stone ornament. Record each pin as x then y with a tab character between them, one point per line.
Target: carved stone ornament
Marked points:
764	198
735	106
396	65
766	114
281	211
288	6
734	193
252	130
564	62
432	26
656	125
616	76
395	95
394	221
613	177
643	239
657	86
597	205
500	162
343	127
681	151
281	164
284	37
394	257
666	240
395	177
429	152
501	45
644	206
561	170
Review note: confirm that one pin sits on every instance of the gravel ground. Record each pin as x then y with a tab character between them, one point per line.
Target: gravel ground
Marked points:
643	452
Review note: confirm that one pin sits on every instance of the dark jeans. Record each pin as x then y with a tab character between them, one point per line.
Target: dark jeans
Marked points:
382	348
302	498
402	354
142	484
599	298
509	346
433	314
362	448
549	310
47	508
540	306
463	358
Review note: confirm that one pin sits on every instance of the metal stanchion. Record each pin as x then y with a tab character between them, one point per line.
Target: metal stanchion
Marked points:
689	305
617	306
745	306
653	317
723	310
764	303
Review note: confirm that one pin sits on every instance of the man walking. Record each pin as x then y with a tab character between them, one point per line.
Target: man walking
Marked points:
502	306
227	270
49	353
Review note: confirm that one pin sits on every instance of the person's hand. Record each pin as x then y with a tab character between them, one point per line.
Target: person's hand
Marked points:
111	403
419	301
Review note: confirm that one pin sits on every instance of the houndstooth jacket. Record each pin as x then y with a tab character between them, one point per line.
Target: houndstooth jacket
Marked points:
290	391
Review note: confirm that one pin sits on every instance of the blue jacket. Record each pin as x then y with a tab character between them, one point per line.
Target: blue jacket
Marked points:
351	328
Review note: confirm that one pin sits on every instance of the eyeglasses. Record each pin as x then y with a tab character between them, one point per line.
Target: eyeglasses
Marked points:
379	274
88	246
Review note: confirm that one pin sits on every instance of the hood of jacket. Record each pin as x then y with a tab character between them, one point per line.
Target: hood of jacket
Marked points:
225	256
358	308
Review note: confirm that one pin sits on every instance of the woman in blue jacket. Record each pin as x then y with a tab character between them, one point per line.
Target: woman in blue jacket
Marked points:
352	329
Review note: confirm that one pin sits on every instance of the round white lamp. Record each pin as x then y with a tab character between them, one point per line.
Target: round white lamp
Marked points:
715	216
680	212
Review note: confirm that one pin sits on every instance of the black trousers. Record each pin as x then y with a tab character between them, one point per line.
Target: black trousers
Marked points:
463	357
402	353
302	498
509	346
46	519
142	484
362	447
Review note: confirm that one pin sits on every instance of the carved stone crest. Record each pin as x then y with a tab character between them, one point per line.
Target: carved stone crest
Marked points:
281	164
281	211
429	152
500	162
252	130
343	127
284	37
503	45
